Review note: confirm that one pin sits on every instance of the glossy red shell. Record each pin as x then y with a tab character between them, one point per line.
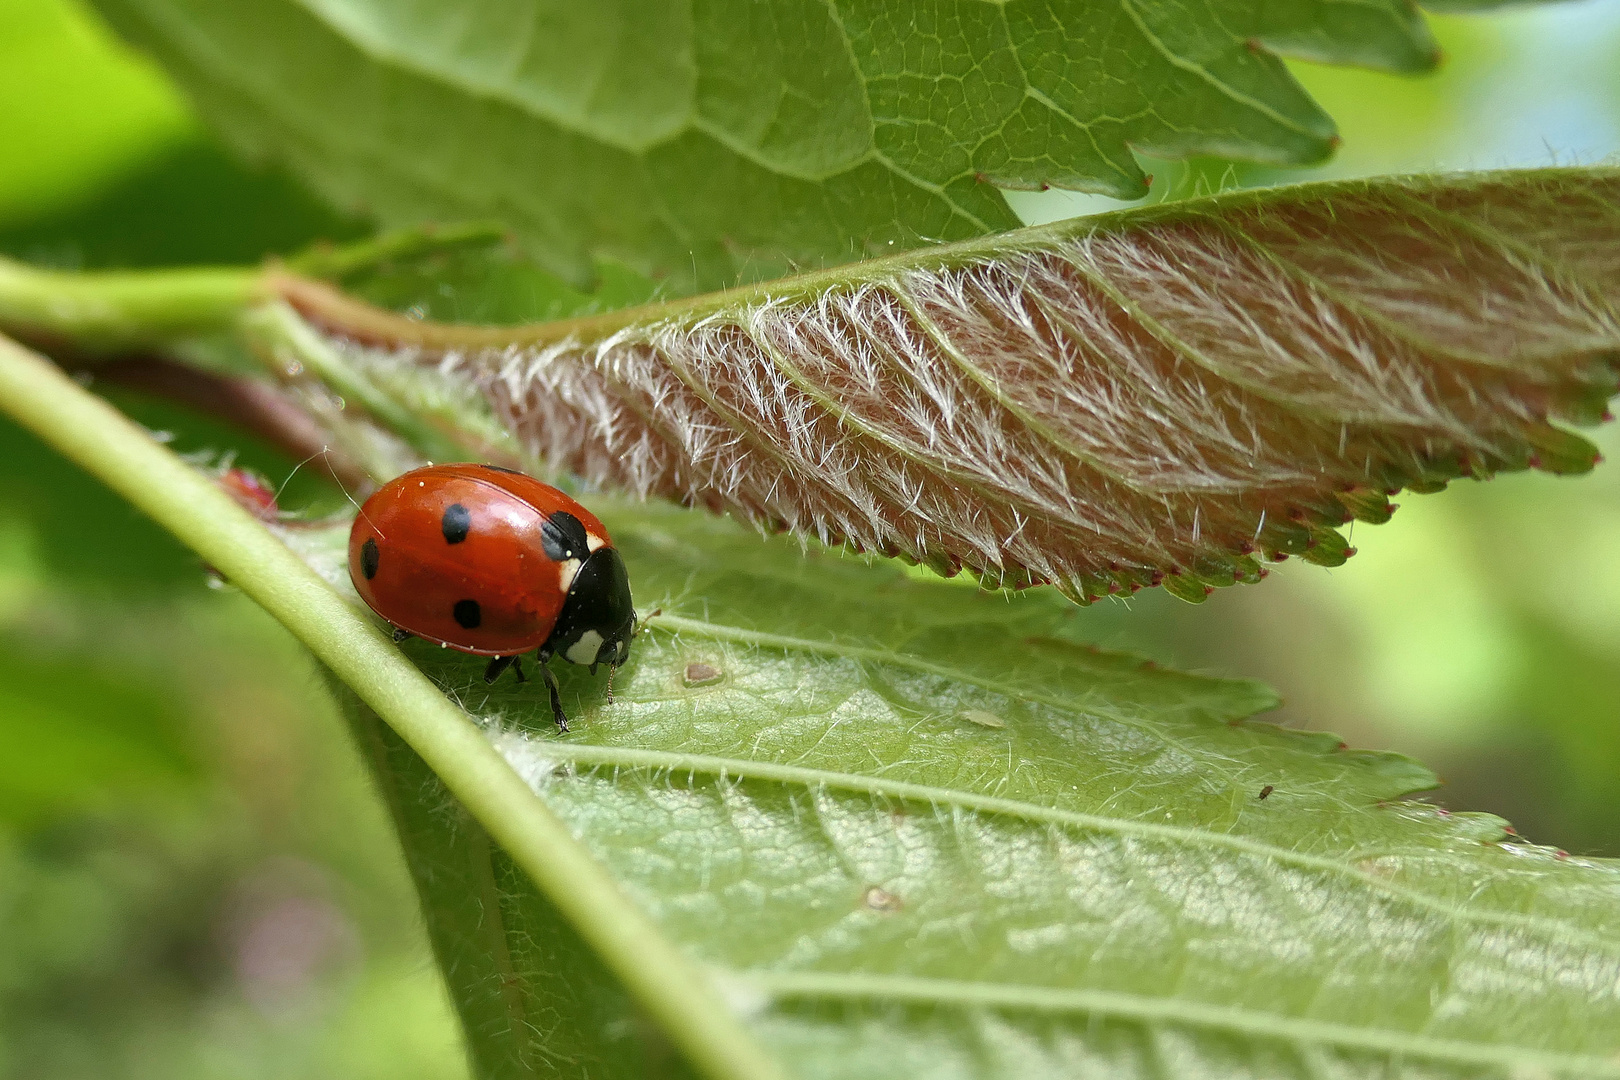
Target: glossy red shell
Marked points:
421	580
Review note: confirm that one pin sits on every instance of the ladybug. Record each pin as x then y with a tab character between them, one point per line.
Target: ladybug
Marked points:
493	562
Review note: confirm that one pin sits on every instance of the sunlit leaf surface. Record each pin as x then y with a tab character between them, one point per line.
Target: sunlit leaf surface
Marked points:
921	831
697	142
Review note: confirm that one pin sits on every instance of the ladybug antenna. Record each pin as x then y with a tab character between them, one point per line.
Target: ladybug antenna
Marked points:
611	669
325	452
645	619
300	465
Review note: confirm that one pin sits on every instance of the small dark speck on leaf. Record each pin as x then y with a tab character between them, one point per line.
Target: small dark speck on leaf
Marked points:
701	674
880	899
1267	790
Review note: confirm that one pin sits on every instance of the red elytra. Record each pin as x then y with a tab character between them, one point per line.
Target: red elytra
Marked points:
492	562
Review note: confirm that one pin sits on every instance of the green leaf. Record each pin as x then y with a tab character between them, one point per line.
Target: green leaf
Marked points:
699	143
920	831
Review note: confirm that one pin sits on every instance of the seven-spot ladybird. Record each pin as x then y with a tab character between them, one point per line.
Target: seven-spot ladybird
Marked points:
493	562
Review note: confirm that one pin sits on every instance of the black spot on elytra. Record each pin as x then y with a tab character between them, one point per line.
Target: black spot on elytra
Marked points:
368	559
563	537
468	614
455	523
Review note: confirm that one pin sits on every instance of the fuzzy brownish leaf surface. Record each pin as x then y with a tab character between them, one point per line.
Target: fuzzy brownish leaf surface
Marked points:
1163	396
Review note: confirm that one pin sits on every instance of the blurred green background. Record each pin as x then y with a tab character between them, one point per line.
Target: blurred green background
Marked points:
194	879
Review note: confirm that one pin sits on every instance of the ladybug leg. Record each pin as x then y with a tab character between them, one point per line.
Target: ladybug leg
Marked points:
400	635
517	669
498	664
556	698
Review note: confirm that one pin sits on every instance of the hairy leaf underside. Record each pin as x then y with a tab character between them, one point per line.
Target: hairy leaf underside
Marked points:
701	141
1169	396
917	831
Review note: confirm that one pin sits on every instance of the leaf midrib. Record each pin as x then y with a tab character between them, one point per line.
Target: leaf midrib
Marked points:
926	990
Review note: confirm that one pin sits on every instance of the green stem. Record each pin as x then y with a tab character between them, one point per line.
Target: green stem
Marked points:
670	987
107	311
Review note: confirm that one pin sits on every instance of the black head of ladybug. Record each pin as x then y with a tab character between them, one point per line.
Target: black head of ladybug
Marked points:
597	620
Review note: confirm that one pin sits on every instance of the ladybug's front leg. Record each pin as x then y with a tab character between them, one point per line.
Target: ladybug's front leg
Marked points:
556	697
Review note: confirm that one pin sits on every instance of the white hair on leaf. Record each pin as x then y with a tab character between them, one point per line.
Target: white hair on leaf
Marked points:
1168	399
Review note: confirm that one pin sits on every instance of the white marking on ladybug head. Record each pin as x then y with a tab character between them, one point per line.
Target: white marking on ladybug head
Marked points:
585	649
592	541
565	574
